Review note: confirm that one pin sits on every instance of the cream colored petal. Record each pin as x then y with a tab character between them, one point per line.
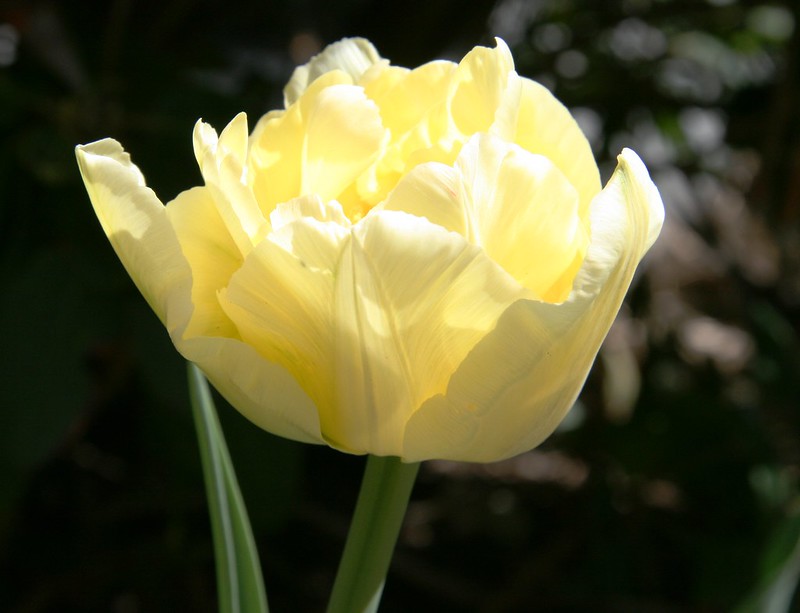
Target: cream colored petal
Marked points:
281	301
545	126
233	139
344	135
320	145
518	383
522	210
307	206
275	157
204	142
136	223
264	392
433	191
478	86
354	56
406	97
212	255
514	204
223	165
411	300
413	107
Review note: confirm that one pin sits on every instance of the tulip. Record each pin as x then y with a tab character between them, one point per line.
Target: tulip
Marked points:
414	263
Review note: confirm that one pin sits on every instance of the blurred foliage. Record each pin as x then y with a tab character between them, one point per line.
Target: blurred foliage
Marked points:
672	486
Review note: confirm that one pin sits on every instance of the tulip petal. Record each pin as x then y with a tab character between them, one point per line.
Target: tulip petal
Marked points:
344	310
541	124
222	163
281	299
320	145
139	229
411	301
212	255
307	206
517	384
514	204
344	136
406	97
524	213
478	86
262	391
353	56
136	223
434	191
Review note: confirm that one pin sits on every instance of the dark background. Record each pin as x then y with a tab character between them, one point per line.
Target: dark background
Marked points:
672	486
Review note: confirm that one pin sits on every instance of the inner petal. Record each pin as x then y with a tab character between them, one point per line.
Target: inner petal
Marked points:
319	145
525	213
516	205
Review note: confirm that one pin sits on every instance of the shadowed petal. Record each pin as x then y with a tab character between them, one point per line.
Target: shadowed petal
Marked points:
281	301
212	255
264	392
135	221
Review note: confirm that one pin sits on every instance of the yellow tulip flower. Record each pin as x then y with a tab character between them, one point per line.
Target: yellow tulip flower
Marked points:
414	263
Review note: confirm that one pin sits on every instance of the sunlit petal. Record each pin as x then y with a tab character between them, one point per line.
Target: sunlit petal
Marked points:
223	162
516	205
541	124
320	145
514	388
411	301
353	56
478	86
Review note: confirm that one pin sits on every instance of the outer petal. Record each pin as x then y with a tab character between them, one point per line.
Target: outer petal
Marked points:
139	227
370	320
212	256
411	301
263	391
135	222
281	301
517	384
353	56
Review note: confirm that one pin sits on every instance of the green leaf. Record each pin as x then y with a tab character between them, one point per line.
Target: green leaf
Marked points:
780	571
239	581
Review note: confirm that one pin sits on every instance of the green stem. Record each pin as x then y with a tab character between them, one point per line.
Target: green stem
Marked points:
376	523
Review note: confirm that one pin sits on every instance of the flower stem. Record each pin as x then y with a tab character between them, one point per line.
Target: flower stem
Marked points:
376	523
